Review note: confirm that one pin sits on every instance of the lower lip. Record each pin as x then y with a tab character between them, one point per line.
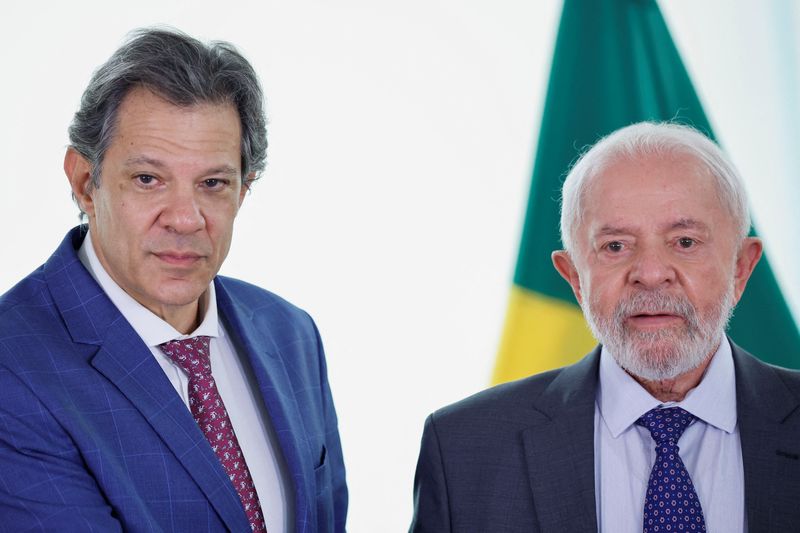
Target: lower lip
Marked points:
654	321
179	260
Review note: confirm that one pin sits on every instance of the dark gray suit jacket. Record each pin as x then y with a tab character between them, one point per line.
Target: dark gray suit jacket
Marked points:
520	456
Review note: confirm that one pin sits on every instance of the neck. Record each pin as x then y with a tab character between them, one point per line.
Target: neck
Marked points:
675	389
185	318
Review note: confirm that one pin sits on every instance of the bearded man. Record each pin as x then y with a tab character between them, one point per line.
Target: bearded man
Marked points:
667	425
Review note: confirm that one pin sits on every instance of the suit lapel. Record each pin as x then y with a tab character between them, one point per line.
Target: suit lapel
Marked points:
769	429
126	361
559	446
559	449
276	390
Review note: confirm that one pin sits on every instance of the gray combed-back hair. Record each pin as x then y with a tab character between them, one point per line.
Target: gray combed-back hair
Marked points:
183	71
645	139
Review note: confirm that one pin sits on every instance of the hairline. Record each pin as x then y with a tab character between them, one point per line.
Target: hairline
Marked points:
183	71
647	139
111	132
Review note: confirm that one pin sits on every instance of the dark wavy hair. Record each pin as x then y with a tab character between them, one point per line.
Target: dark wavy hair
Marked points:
183	71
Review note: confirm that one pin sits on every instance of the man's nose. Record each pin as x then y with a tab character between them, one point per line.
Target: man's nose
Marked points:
182	213
652	268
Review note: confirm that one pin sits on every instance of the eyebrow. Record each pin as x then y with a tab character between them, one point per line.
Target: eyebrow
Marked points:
688	223
683	223
613	230
224	170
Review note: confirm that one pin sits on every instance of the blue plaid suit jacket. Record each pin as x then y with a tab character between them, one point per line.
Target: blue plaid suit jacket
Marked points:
93	437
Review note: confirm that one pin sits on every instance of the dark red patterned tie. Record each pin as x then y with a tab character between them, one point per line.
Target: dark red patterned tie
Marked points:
192	355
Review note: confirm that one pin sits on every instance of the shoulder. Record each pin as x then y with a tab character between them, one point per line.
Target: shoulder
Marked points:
255	301
508	402
278	323
249	294
763	376
549	392
23	303
30	306
501	411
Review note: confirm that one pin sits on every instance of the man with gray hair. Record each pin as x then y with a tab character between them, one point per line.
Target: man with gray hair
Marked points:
139	390
667	425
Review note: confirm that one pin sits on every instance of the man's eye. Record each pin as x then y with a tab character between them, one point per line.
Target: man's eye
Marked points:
615	246
686	242
145	179
214	183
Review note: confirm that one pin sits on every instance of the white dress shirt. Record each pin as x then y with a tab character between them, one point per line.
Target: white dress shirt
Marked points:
235	382
710	447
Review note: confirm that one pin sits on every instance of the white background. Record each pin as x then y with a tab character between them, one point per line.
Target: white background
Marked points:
401	143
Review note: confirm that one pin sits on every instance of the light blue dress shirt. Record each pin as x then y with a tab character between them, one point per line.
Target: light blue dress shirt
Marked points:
710	447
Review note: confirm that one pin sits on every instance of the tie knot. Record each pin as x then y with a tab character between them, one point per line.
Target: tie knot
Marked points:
666	425
191	354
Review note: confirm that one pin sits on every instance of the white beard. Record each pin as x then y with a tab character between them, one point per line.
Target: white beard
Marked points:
666	353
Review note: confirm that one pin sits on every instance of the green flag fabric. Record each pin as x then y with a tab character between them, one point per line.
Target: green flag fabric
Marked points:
614	64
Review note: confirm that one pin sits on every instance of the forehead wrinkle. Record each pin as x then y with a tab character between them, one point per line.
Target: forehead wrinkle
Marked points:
221	170
682	223
144	160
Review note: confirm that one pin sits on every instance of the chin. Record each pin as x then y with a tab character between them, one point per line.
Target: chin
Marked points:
181	295
660	361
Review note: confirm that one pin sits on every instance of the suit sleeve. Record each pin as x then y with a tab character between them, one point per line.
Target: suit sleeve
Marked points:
44	485
431	505
334	457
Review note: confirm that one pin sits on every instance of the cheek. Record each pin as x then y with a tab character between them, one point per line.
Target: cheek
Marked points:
602	300
708	295
109	206
221	236
219	224
124	228
603	288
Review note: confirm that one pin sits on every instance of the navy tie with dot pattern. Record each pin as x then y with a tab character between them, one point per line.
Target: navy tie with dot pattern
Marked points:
671	503
193	356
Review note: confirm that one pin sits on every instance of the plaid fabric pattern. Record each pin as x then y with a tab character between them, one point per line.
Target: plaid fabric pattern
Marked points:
93	436
194	357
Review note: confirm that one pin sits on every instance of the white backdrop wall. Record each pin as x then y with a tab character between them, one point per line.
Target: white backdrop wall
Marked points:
401	142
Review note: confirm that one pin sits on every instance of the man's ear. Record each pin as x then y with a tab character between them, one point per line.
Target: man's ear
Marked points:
564	265
79	174
746	261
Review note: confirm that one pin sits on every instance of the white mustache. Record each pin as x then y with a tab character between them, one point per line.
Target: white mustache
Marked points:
656	302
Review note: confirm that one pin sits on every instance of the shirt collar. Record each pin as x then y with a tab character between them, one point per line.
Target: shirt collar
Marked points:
151	328
621	400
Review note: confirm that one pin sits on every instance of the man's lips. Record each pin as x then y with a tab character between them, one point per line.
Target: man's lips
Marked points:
178	258
654	320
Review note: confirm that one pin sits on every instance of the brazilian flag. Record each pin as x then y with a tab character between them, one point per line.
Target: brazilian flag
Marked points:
614	64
